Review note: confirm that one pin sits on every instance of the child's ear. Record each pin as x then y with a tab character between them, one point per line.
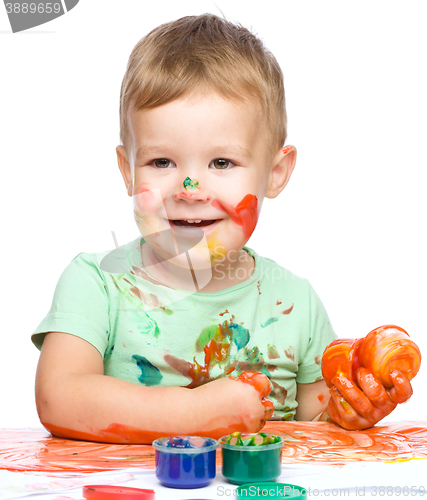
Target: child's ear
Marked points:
282	167
124	166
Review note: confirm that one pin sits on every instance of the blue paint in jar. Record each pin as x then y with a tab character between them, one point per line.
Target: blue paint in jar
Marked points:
185	461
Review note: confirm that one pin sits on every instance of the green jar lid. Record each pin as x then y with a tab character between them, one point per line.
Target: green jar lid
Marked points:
271	490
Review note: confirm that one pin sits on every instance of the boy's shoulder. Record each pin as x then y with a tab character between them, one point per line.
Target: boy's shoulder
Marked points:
119	260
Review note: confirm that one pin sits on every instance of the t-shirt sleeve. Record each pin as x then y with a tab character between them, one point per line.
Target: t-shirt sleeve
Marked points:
321	334
80	305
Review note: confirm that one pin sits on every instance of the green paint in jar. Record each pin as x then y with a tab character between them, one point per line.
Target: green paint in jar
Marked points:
251	457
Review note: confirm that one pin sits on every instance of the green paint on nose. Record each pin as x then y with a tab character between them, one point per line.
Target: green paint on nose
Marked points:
190	184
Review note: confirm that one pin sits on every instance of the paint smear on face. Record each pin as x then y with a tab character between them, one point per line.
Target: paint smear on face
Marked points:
34	450
244	214
191	184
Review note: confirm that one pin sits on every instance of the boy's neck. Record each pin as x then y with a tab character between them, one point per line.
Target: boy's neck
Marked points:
222	276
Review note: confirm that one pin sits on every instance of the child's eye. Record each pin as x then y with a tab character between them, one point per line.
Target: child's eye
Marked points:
221	163
162	163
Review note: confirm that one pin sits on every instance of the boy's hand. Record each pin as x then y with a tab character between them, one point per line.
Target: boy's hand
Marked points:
355	408
235	404
262	385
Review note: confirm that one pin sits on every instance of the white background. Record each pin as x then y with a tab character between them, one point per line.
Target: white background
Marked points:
352	219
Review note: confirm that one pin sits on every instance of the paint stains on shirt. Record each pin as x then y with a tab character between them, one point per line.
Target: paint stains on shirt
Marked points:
276	318
272	352
150	374
290	353
278	392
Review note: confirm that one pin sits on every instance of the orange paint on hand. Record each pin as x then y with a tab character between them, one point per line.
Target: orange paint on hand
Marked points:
384	349
374	363
262	385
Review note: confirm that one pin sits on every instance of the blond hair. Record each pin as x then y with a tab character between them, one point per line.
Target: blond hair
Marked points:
203	53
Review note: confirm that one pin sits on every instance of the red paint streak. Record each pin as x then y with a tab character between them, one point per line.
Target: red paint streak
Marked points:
287	149
288	311
278	303
258	286
245	213
226	311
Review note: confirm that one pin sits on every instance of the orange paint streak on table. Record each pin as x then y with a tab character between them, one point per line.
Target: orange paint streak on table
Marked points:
36	451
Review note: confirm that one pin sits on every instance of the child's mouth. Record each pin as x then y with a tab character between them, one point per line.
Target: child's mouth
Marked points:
193	223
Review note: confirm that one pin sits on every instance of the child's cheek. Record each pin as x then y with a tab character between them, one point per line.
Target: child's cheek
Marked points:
149	210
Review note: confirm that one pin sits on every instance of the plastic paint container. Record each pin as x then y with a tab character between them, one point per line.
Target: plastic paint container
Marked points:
271	490
111	492
245	459
185	461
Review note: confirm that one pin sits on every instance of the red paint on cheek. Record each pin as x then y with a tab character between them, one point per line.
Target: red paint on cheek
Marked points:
245	213
321	397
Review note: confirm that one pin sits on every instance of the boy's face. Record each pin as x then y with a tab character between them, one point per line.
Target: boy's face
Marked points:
201	159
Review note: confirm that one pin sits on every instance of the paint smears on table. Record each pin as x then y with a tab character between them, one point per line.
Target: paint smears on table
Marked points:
36	450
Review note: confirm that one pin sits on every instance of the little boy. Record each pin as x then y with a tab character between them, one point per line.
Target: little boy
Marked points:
183	330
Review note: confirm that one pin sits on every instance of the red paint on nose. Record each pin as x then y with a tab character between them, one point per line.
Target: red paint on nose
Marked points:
245	213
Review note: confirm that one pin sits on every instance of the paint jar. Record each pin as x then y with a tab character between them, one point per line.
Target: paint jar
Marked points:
271	490
185	461
251	457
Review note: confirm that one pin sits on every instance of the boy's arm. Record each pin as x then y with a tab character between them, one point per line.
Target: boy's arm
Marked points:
76	400
312	400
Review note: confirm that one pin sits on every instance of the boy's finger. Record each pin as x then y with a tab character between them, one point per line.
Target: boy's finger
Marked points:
354	396
375	391
402	389
269	408
341	412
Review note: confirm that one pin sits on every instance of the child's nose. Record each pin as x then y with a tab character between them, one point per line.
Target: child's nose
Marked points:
191	190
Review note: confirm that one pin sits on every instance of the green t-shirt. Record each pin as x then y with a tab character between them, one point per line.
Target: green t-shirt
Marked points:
154	335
